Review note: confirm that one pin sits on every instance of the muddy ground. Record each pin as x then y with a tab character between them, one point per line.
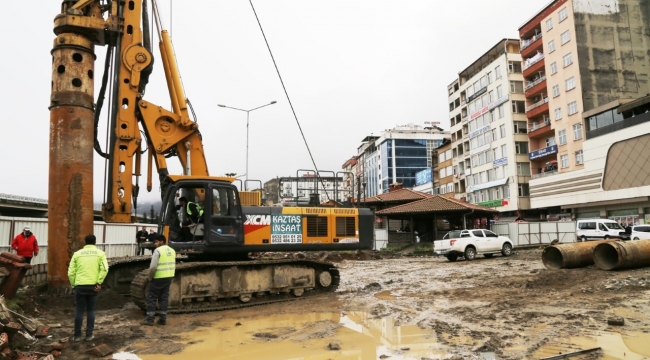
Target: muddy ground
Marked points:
511	306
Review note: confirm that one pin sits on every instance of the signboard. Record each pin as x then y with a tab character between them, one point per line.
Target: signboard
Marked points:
499	162
476	94
286	229
423	177
498	102
479	113
493	203
542	152
480	131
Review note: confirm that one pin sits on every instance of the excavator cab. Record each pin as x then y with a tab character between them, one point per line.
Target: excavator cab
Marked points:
202	215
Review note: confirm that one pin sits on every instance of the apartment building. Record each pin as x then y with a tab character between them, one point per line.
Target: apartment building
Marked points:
586	66
489	131
443	170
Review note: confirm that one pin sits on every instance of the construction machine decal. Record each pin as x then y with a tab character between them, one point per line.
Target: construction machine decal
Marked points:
256	222
286	229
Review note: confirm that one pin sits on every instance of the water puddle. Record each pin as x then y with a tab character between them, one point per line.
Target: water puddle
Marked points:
362	336
627	346
308	336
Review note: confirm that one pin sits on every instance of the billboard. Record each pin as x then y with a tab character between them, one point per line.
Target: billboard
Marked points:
423	177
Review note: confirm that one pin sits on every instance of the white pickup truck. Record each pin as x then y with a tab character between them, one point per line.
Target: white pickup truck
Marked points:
469	243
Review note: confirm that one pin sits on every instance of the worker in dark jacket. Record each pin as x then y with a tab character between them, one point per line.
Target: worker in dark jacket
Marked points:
25	244
161	274
140	237
87	271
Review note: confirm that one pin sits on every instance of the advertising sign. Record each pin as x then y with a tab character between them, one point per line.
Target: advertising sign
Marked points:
423	177
499	162
480	131
286	229
542	152
478	113
498	102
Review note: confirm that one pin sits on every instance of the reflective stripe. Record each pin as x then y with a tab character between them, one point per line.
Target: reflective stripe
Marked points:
166	262
198	208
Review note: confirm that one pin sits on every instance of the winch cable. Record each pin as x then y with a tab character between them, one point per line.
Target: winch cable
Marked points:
287	95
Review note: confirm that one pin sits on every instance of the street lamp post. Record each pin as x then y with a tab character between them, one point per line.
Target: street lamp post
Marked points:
247	122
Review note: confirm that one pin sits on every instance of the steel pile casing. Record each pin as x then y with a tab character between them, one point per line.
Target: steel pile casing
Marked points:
622	254
568	256
70	197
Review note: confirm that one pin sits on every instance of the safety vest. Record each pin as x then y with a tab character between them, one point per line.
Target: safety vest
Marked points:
166	262
198	208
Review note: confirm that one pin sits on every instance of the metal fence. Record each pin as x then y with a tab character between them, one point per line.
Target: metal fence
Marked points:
540	233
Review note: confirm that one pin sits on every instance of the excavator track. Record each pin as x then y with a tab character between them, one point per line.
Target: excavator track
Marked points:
217	286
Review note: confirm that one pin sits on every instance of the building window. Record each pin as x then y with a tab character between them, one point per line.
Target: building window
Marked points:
553	68
551	46
502	128
494	134
488	155
489	77
556	90
565	37
518	107
521	148
561	135
504	148
577	131
564	160
579	160
501	112
514	67
573	108
499	91
549	24
523	169
562	14
520	127
558	113
570	84
524	190
517	87
506	191
495	155
568	60
497	72
550	141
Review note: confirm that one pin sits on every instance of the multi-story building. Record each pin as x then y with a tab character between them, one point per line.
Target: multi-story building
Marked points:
594	81
489	130
553	90
396	156
443	172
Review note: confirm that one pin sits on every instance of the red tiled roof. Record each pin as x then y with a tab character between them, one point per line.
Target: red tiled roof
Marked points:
398	196
434	203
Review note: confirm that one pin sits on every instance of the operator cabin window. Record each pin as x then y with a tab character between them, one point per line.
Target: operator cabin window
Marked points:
316	226
345	226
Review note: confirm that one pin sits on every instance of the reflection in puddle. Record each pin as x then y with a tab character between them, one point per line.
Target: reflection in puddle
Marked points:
627	346
307	336
362	336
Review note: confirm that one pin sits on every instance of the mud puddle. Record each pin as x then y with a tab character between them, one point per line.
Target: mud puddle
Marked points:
307	336
627	346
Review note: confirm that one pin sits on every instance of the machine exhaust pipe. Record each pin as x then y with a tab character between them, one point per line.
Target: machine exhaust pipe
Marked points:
569	256
622	255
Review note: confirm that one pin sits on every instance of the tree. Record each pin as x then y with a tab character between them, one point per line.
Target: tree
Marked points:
144	217
152	214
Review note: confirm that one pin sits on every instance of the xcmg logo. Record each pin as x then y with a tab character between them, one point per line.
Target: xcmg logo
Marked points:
258	220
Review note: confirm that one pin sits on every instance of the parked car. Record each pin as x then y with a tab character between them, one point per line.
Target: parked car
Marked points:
469	243
596	229
640	232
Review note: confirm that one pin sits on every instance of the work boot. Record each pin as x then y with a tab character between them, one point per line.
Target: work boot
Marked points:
162	322
147	322
89	338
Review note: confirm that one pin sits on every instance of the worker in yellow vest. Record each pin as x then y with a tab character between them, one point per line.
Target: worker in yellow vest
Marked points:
161	274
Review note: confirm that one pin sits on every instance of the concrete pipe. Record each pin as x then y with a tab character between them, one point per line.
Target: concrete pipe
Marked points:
622	255
568	256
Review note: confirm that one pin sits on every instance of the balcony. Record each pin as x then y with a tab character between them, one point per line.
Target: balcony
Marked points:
529	46
535	87
539	129
544	174
537	108
534	64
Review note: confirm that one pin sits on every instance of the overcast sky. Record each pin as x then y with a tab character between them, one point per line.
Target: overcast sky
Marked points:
351	68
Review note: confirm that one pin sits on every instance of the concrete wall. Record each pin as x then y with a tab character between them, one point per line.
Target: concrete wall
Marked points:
613	38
